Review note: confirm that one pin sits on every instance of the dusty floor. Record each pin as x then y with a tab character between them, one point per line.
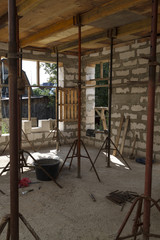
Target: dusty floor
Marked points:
70	213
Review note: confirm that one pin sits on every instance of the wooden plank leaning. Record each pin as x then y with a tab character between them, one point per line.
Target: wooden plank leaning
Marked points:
118	134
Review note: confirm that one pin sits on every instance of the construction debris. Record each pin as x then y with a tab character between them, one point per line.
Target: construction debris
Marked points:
92	197
2	192
120	197
30	190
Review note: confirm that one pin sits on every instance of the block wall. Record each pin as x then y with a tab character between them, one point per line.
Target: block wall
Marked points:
130	95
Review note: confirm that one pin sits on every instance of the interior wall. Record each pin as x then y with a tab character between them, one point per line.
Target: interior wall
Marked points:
130	89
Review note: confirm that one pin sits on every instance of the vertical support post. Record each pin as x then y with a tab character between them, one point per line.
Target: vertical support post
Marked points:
19	75
101	70
29	103
57	100
12	57
110	101
79	100
38	76
150	121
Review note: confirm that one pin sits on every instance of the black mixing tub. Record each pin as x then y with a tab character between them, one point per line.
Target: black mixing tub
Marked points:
50	165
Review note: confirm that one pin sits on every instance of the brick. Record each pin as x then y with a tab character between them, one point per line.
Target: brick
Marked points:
139	70
94	54
37	136
156	147
158	89
143	99
89	70
38	53
145	79
116	115
137	126
141	145
143	51
137	108
114	131
144	117
158	48
72	70
91	98
26	126
138	90
142	61
122	49
117	81
122	73
72	57
90	91
122	90
125	107
69	77
130	63
134	79
156	128
71	127
127	55
105	51
156	138
132	116
116	65
138	45
26	51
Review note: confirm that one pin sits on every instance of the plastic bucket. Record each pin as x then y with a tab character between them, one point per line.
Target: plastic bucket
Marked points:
50	165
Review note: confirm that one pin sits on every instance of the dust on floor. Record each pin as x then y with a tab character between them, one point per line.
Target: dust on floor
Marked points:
71	213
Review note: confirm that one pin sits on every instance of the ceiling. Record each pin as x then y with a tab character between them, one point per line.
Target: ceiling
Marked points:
50	24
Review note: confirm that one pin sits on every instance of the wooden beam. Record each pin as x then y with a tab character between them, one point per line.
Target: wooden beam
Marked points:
58	27
93	38
86	18
129	29
106	9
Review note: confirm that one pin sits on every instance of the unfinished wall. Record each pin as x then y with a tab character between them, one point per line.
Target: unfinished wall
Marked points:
130	89
130	77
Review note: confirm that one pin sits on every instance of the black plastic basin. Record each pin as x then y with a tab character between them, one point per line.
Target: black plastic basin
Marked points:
50	165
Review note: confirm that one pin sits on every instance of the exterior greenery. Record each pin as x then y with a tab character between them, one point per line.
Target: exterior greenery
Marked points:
51	69
101	94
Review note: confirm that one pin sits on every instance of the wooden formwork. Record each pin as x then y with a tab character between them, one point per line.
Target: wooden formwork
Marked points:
68	104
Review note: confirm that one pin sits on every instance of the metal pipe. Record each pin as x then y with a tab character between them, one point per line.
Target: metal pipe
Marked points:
110	102
12	57
57	100
19	75
150	121
79	102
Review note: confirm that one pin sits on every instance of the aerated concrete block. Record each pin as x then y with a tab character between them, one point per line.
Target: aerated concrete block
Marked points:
26	126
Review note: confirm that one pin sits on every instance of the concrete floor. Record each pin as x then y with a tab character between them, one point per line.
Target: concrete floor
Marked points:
70	213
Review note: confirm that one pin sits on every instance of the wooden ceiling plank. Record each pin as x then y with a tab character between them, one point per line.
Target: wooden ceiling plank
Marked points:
133	28
129	29
27	5
107	9
3	20
46	32
91	39
22	8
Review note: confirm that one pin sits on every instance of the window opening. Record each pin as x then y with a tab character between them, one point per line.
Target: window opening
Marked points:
101	95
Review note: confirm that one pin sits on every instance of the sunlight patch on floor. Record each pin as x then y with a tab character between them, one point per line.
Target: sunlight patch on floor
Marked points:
116	161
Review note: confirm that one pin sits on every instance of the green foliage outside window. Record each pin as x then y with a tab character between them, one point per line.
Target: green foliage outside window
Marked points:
101	94
51	70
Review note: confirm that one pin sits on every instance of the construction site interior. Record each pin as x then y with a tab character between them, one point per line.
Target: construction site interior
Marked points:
65	177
